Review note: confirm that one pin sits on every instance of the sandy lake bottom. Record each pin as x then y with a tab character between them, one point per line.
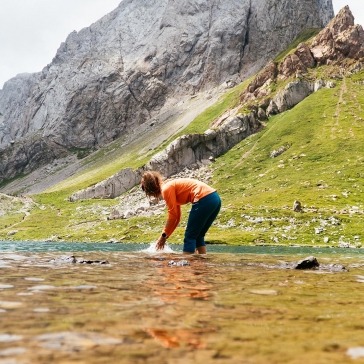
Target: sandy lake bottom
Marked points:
138	307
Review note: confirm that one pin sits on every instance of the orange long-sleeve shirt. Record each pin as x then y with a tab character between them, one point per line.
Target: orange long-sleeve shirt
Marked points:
179	192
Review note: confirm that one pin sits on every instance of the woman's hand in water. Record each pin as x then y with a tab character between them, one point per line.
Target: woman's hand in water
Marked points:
161	242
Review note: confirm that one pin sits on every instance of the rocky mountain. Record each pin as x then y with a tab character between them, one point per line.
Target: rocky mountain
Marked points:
117	74
339	45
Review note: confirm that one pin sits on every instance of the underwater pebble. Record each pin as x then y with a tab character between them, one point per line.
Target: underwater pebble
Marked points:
12	351
64	259
10	304
24	294
356	353
85	286
7	338
267	292
70	341
5	286
181	263
41	310
34	279
41	288
299	282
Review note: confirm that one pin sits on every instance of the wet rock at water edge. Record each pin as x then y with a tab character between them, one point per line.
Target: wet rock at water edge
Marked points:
64	259
87	261
335	268
307	263
73	260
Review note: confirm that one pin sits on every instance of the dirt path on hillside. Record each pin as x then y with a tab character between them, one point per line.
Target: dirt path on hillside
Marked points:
336	125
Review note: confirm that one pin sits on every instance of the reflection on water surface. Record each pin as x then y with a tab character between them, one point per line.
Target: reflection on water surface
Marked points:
135	308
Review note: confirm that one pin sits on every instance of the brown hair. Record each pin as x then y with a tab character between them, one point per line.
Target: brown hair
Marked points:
151	183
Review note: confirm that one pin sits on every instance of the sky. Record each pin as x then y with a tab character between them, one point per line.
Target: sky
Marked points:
32	30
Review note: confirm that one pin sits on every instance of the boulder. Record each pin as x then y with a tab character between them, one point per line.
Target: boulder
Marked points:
339	40
307	263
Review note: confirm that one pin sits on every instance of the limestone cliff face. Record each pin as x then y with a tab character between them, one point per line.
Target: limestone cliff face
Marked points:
340	44
120	71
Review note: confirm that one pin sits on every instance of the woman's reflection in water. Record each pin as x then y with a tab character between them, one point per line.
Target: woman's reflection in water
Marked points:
183	291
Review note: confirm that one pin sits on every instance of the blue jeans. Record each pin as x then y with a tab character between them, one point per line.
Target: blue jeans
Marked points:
202	215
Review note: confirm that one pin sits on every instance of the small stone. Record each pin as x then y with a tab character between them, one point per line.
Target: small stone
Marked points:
355	353
264	292
84	287
5	286
65	259
10	304
180	263
41	310
7	338
34	279
297	206
319	230
41	288
12	352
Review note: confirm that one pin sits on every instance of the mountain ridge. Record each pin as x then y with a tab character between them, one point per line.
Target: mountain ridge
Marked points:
118	73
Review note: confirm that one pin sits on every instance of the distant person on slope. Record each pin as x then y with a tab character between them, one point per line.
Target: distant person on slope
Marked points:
205	201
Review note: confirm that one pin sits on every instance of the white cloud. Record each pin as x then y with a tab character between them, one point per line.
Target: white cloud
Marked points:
32	30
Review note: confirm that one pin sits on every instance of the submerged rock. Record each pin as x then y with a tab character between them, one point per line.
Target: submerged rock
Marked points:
64	259
84	261
335	268
180	263
355	353
307	263
72	259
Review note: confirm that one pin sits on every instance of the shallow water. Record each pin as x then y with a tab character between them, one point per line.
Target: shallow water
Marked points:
32	246
119	304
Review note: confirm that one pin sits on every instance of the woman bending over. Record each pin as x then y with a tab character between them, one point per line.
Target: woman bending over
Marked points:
206	204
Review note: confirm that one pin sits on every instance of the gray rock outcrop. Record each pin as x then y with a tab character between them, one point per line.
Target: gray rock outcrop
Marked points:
119	72
341	40
293	94
191	151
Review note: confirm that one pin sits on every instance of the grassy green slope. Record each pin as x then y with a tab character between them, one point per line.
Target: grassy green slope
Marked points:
323	168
